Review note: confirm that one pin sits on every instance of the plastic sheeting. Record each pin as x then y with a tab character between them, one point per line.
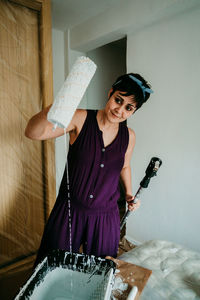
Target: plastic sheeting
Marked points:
175	270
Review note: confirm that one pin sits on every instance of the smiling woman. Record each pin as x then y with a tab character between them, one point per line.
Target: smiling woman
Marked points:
99	155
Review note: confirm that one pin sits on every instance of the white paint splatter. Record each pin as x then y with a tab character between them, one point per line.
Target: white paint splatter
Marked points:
119	285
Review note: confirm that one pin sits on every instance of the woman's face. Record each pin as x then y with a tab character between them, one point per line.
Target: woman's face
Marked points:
119	107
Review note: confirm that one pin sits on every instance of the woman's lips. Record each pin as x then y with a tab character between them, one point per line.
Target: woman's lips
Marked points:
118	117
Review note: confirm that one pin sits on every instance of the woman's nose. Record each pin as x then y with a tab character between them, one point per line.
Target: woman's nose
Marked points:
119	109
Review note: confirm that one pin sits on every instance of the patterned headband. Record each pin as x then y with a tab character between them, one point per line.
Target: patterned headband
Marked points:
139	82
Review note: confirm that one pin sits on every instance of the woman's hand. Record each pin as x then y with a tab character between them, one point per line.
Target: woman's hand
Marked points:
132	206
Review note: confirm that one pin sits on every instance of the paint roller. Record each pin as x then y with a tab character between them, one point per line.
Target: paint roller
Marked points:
71	92
151	171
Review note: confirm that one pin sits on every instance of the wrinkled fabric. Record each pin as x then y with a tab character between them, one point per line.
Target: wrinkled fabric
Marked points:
94	172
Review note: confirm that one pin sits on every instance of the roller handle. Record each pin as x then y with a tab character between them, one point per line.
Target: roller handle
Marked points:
124	219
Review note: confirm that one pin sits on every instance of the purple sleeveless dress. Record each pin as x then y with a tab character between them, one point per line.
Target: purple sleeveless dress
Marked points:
94	172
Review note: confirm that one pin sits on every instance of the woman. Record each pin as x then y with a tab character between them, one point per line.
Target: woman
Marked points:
99	155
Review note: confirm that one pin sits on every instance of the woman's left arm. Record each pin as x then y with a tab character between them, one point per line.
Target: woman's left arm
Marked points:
125	174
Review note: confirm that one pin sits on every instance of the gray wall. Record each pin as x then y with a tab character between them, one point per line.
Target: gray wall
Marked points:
111	63
168	126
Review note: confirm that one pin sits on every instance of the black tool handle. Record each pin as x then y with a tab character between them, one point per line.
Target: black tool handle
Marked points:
151	171
125	217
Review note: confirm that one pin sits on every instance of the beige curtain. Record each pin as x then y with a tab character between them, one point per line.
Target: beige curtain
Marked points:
21	160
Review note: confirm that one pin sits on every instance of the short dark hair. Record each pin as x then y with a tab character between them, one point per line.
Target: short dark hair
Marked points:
130	87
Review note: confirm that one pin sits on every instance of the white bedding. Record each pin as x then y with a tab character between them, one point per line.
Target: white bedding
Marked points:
175	270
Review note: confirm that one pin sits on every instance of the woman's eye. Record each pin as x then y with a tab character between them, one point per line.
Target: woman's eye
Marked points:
117	100
129	108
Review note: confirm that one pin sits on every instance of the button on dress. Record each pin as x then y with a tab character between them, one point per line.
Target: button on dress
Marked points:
94	172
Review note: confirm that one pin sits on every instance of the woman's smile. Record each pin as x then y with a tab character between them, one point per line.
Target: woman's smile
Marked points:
115	115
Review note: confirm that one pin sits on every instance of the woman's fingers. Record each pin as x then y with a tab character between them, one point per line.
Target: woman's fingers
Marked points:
134	206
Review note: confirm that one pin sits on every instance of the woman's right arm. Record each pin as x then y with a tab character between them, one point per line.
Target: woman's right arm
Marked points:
39	128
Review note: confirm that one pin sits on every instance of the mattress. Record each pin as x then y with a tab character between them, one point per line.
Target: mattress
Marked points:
175	270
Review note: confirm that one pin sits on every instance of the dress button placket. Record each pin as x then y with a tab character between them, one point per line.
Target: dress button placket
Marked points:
102	164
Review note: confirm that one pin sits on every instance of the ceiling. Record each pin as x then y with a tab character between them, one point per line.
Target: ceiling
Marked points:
69	13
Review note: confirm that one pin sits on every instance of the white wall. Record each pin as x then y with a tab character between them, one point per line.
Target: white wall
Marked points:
122	18
168	126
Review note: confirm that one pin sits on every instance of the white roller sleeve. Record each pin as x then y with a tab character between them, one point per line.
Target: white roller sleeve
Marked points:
71	93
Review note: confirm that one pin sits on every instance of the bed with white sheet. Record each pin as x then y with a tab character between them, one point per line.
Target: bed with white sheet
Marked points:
175	270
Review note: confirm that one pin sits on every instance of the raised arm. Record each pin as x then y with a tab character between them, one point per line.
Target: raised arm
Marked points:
39	128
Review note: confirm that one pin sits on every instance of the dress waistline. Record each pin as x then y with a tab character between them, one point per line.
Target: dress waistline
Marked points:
94	210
